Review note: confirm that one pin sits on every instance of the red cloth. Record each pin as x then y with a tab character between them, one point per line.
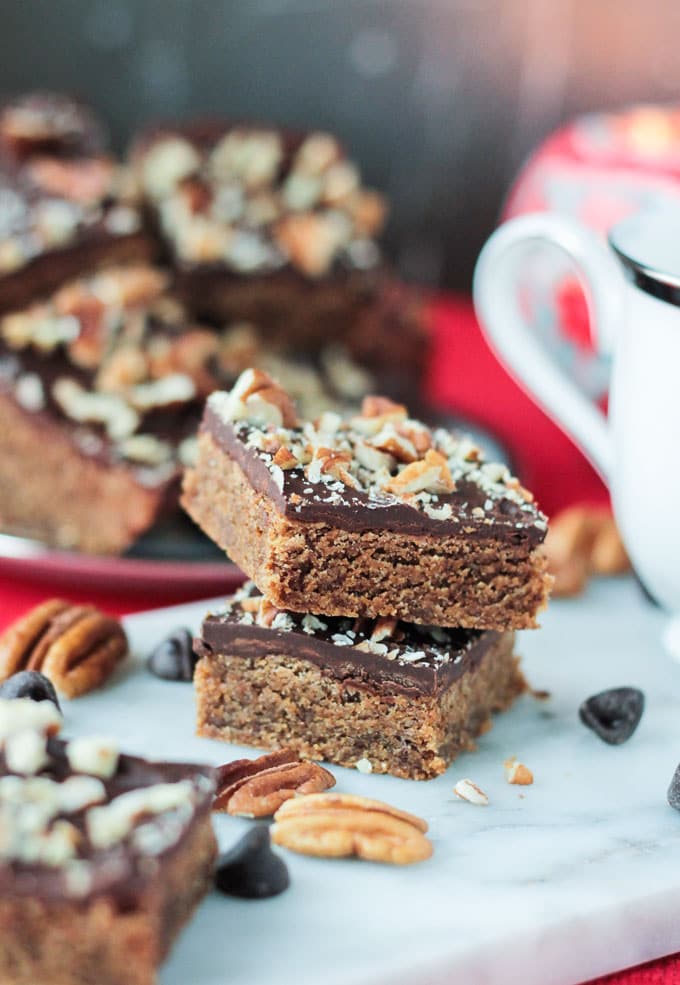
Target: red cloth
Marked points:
465	377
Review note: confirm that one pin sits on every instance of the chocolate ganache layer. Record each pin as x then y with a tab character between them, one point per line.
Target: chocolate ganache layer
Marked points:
390	654
474	510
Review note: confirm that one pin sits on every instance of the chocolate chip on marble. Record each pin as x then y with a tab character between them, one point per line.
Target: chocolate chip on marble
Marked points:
673	794
251	869
614	714
173	658
29	684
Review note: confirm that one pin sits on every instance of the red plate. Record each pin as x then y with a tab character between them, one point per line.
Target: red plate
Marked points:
150	576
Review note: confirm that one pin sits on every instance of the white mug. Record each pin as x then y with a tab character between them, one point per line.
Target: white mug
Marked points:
633	286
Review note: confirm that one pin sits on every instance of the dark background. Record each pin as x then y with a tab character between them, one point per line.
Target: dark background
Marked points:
440	100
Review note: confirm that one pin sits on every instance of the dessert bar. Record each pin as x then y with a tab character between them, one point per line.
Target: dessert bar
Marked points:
96	408
101	389
390	696
65	209
261	224
370	515
103	856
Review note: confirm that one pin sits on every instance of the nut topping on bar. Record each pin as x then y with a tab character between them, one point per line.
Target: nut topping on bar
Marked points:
258	787
385	637
257	399
381	453
248	201
76	647
38	814
341	825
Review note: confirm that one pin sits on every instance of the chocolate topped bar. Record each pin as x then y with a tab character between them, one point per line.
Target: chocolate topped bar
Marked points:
115	359
103	856
255	199
377	470
371	515
275	227
386	695
406	657
66	206
79	819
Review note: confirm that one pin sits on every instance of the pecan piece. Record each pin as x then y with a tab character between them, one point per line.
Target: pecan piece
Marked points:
256	396
87	180
341	825
285	459
76	647
258	787
431	474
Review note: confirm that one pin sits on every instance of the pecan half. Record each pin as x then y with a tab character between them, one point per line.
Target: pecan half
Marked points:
76	647
341	825
258	787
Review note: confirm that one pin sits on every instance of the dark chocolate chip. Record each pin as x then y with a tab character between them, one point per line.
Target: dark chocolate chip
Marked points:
250	869
615	714
673	794
173	658
29	684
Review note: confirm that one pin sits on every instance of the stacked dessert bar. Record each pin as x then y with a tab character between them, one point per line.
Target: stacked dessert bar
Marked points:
390	566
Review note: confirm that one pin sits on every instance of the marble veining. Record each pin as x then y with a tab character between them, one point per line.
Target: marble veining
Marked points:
551	884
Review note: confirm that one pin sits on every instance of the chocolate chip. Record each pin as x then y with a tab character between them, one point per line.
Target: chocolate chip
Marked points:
615	714
29	684
173	658
251	869
673	794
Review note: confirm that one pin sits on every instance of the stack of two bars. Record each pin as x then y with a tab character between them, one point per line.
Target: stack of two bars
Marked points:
391	565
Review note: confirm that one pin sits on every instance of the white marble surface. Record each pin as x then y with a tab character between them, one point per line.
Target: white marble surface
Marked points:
572	877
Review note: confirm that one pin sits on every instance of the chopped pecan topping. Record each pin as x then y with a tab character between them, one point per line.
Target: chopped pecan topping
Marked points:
189	354
257	398
381	451
84	180
258	787
384	629
266	613
394	444
76	647
124	368
382	407
285	459
311	240
341	825
431	474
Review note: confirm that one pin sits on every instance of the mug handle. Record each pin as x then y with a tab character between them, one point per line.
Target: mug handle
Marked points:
496	298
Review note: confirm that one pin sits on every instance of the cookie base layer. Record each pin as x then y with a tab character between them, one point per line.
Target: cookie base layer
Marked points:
52	492
277	701
66	943
315	567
